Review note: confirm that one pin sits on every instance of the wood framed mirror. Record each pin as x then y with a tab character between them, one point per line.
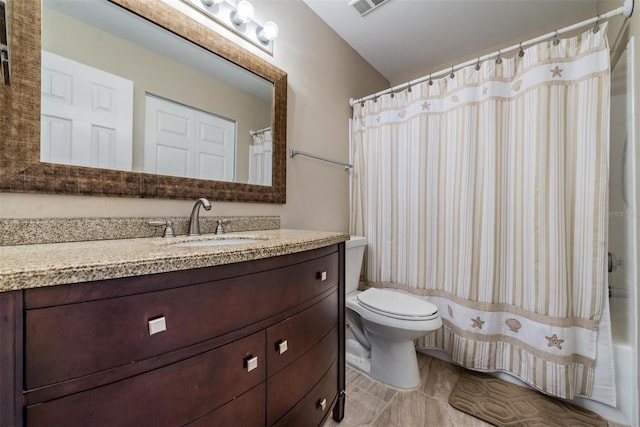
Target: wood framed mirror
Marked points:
21	169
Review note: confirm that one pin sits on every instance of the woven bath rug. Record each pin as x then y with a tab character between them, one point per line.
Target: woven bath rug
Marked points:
504	404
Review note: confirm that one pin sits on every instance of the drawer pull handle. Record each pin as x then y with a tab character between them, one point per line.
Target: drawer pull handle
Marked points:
283	346
322	276
322	404
252	363
157	325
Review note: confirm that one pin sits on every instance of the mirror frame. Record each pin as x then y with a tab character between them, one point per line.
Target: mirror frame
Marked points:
20	167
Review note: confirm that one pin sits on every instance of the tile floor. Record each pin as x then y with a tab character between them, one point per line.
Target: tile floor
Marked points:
371	403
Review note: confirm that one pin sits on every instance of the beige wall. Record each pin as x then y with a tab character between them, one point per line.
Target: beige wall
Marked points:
323	73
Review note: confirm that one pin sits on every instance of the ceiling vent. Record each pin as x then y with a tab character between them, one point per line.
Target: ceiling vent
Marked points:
365	6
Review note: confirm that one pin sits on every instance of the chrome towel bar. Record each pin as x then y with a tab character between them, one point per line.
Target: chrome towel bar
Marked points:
293	153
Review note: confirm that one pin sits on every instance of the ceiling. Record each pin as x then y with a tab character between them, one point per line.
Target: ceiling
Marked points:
407	39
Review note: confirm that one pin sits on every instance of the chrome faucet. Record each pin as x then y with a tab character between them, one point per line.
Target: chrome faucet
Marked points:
194	222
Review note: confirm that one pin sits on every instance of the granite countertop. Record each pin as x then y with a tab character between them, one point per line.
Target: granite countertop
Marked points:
38	265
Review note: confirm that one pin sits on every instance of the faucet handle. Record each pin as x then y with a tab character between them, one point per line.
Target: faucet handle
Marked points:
220	228
168	230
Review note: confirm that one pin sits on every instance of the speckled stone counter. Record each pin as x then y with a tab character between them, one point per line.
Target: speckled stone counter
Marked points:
31	266
29	231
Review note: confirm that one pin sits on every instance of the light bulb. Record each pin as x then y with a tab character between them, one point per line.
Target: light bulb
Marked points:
244	13
268	32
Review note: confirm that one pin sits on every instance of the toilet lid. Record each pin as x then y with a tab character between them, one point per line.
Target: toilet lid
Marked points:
397	305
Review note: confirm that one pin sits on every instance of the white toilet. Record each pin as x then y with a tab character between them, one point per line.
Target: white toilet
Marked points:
382	324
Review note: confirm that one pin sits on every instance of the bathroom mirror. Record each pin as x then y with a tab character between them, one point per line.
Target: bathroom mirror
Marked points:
259	103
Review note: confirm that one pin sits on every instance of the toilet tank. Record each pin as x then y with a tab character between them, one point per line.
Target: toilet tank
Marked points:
354	254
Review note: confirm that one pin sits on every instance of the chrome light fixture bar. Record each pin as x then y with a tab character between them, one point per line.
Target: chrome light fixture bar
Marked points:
239	19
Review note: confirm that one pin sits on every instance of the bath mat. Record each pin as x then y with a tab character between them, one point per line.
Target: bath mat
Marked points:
504	404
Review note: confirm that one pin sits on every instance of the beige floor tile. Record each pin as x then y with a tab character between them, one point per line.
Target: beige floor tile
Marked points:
361	408
438	378
371	386
413	409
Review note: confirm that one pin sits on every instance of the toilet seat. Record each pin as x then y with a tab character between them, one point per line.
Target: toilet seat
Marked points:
397	305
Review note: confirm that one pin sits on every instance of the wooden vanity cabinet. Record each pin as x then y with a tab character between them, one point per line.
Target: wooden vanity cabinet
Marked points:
252	343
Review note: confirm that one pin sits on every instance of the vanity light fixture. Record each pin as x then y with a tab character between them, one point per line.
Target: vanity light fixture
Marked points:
244	13
239	19
268	32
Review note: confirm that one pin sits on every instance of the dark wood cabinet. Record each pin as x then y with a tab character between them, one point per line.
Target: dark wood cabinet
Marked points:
253	343
288	386
171	395
291	338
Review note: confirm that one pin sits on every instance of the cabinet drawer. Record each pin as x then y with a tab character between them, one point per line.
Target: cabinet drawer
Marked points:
173	395
291	384
244	411
291	338
69	341
314	406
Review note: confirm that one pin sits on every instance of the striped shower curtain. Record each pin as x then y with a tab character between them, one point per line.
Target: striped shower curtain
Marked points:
487	193
261	158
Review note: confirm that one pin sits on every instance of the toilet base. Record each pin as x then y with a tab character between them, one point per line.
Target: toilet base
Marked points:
395	363
357	356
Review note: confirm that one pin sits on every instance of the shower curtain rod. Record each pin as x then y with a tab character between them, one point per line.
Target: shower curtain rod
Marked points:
626	9
259	131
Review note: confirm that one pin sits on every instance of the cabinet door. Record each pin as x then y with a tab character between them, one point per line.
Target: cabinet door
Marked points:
173	395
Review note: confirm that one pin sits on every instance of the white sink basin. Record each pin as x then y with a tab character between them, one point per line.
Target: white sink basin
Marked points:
216	242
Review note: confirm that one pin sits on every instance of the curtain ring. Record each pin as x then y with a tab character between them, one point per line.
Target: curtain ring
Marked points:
409	87
556	40
521	53
499	58
596	27
478	65
362	104
452	75
393	95
375	99
430	80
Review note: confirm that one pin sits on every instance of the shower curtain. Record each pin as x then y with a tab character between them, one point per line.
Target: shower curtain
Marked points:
261	158
486	191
